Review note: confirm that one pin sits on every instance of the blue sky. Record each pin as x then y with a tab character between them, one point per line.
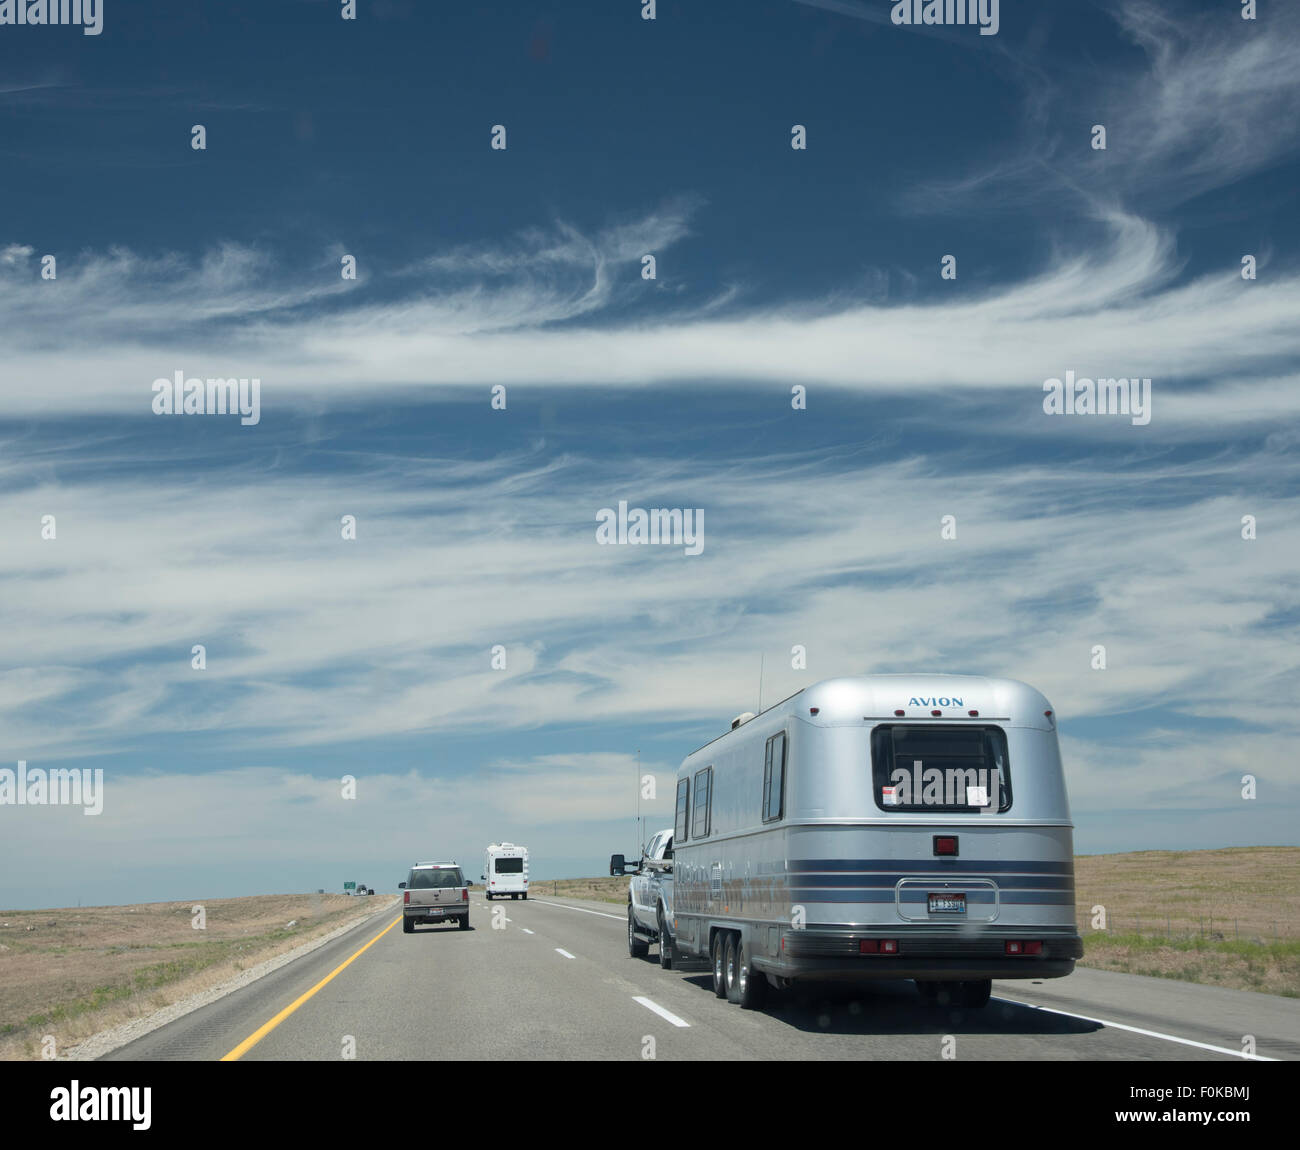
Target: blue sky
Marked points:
522	267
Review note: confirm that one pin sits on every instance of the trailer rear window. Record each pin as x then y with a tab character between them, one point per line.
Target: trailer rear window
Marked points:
509	866
940	768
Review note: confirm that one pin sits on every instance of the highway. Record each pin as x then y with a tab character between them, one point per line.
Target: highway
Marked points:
554	981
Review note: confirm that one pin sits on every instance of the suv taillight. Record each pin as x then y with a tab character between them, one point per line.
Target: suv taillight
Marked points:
406	898
464	895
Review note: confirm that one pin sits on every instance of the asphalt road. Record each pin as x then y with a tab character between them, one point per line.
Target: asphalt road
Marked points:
553	980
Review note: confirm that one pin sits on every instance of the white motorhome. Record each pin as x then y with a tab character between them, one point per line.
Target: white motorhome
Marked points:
879	827
505	870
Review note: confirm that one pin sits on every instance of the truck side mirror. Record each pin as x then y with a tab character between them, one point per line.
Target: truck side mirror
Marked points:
401	886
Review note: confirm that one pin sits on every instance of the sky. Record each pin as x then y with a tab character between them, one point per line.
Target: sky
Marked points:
842	345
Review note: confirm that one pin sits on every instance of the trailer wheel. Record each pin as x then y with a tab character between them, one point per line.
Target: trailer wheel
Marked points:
945	995
751	984
636	947
408	926
975	994
665	943
732	962
720	964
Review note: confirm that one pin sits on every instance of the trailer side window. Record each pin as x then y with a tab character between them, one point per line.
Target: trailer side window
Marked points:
774	778
683	805
703	800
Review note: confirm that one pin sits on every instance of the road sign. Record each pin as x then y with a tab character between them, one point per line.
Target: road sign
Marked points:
349	886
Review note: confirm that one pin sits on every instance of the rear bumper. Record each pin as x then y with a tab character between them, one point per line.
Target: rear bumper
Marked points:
421	914
927	956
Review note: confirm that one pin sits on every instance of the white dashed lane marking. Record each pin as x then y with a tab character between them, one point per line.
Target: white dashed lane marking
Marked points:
649	1004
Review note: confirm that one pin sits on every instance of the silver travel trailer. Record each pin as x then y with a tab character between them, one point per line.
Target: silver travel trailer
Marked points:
880	827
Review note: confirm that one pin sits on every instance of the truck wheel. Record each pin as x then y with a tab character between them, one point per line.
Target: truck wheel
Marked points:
408	926
731	961
975	994
665	943
719	956
636	947
751	987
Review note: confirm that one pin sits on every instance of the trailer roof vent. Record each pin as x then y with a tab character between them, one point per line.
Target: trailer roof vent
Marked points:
741	719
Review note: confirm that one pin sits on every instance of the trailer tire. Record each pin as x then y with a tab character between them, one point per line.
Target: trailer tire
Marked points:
751	984
974	994
718	953
732	963
636	947
665	943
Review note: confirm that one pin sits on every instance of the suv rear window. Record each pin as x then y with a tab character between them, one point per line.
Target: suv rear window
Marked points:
940	768
433	879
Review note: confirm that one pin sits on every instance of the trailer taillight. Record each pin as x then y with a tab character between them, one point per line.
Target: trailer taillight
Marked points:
878	946
898	714
936	714
945	845
973	714
1018	946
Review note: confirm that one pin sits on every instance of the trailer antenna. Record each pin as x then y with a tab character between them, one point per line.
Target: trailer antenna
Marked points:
760	683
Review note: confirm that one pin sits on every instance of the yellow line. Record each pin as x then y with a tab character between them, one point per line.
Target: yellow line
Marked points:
262	1031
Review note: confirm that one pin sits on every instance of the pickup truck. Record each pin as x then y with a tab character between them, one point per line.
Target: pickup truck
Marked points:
650	901
435	892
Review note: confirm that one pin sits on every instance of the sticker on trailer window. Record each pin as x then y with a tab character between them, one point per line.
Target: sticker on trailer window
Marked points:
977	796
889	796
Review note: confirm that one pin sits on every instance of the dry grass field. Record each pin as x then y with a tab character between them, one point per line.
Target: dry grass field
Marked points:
73	972
1225	918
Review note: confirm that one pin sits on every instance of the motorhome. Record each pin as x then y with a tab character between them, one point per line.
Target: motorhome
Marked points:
505	871
879	827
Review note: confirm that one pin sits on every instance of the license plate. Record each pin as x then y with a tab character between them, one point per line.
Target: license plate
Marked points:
947	904
435	910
